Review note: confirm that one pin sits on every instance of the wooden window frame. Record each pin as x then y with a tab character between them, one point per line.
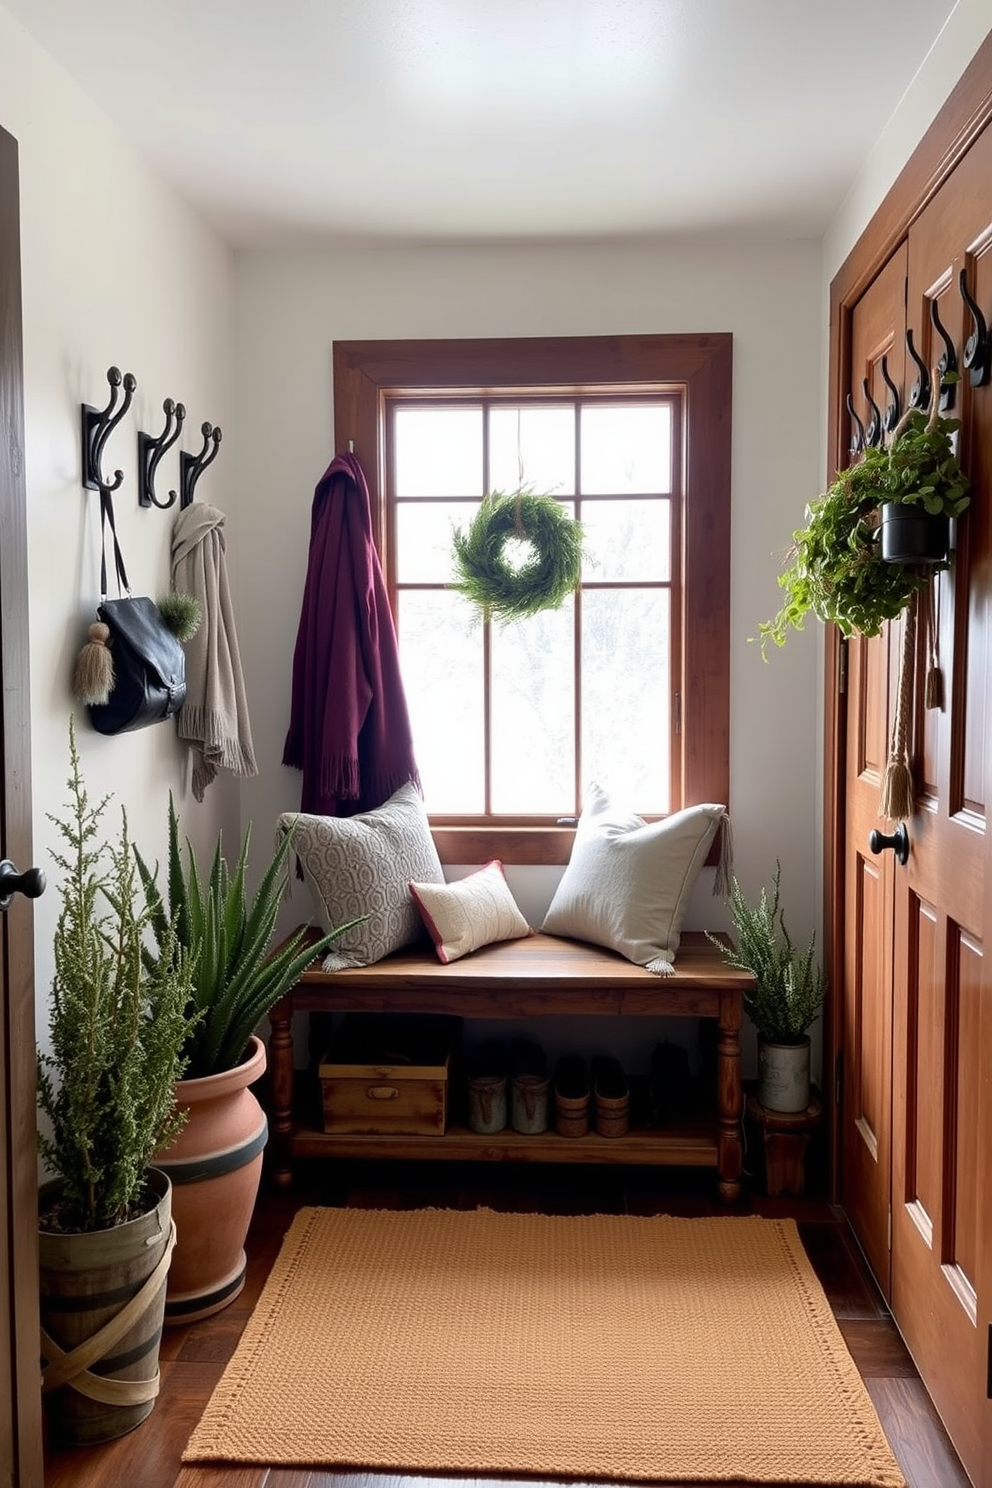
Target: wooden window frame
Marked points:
701	367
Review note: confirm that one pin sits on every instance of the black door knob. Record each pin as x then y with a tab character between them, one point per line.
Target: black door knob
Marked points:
898	841
30	883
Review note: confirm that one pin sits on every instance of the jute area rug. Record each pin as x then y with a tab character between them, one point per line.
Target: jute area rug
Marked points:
600	1346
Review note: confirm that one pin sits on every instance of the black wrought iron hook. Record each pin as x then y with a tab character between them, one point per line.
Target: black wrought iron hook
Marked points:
919	393
191	467
948	361
976	351
873	430
894	406
150	452
857	443
97	427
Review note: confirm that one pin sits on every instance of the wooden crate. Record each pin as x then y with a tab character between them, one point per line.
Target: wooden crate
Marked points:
386	1076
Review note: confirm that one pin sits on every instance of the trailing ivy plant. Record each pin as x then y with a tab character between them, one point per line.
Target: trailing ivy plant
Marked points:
117	1027
836	572
789	985
227	935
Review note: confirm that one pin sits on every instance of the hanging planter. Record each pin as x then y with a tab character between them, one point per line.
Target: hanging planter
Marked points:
520	554
848	565
908	534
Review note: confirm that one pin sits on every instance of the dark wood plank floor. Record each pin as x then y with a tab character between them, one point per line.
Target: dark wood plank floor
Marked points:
193	1356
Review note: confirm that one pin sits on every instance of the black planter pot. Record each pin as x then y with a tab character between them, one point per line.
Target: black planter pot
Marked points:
908	534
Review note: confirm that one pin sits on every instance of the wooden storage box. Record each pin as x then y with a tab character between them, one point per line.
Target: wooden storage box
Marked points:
388	1076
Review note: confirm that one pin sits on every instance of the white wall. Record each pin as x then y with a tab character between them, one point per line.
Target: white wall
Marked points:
290	307
115	270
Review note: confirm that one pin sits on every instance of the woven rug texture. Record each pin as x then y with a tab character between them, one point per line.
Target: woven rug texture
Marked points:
600	1346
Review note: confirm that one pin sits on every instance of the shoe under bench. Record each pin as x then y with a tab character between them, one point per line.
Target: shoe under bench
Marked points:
538	976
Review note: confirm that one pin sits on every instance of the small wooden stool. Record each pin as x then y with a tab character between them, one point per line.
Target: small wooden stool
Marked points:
786	1137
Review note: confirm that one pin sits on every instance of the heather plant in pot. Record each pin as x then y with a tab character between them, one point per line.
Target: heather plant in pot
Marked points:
106	1086
788	992
215	1163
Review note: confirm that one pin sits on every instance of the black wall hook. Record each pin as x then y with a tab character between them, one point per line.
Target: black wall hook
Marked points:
857	443
99	424
191	467
150	451
893	407
919	393
948	362
873	430
976	351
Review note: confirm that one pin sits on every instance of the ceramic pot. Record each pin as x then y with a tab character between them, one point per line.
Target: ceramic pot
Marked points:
909	534
783	1075
102	1302
215	1165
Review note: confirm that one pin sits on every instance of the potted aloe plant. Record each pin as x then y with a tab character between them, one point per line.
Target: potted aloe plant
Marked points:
216	1161
789	988
118	1033
847	565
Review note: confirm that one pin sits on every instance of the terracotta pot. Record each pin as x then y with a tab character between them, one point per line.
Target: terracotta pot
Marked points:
109	1283
215	1165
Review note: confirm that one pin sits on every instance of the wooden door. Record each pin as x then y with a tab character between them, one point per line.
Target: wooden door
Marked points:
877	351
20	1392
941	1285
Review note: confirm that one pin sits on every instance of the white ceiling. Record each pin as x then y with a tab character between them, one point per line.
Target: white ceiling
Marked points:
497	120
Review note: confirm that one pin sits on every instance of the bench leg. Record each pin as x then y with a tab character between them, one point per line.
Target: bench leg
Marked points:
730	1099
282	1076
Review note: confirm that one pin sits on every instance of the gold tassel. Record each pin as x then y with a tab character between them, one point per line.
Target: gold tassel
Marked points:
896	801
933	696
93	677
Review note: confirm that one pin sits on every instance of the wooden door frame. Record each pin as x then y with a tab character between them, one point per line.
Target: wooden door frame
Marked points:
962	118
20	1405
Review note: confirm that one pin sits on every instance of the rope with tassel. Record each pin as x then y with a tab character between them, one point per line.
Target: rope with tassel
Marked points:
896	801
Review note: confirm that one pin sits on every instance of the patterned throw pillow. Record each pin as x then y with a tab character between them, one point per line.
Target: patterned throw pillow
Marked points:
362	865
628	882
471	912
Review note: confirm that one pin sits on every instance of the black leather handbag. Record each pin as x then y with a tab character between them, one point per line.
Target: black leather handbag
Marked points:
148	681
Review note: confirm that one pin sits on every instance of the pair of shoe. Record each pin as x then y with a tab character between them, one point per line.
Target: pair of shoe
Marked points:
605	1089
529	1088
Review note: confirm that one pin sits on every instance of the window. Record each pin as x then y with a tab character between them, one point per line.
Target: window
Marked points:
628	682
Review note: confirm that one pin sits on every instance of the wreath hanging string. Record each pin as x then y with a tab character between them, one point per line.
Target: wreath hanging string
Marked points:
550	570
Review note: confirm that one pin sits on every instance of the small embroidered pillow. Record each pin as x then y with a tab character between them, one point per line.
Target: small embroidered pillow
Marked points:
470	913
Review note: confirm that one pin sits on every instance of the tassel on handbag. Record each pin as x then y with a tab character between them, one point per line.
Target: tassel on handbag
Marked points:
93	676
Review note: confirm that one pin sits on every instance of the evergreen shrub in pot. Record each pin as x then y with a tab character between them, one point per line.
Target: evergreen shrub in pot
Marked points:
789	988
106	1085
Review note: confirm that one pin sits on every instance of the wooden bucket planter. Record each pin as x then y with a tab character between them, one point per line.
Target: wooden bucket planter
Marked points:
215	1165
102	1305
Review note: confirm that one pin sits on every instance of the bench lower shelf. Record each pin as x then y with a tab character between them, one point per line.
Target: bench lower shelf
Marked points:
692	1145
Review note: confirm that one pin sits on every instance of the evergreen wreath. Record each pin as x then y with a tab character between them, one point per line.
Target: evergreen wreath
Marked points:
548	574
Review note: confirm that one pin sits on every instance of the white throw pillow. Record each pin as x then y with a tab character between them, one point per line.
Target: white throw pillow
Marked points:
362	865
628	882
471	912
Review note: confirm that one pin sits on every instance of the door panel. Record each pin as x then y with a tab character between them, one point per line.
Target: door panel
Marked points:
940	1282
877	334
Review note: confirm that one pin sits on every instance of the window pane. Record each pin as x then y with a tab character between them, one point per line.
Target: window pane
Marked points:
533	752
626	540
625	694
626	449
438	452
532	447
440	641
424	539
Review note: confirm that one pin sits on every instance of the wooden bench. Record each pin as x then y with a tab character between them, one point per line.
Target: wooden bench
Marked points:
539	976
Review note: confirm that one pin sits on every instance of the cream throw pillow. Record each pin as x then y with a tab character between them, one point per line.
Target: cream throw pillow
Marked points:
471	912
362	865
628	882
